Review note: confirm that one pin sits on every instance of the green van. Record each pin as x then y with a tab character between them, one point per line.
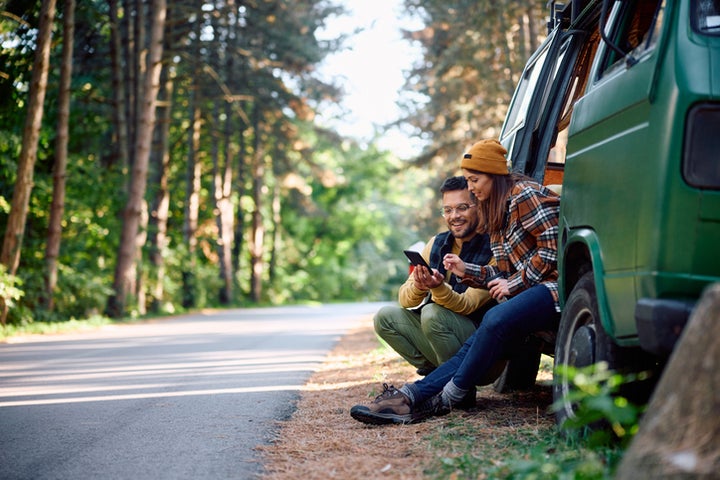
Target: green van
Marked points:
620	108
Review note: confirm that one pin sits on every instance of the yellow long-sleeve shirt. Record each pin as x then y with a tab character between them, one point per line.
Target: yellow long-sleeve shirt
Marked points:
465	303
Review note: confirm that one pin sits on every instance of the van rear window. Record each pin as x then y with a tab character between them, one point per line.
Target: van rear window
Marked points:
706	16
701	168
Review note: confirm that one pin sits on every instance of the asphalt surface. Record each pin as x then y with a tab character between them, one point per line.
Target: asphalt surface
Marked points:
177	398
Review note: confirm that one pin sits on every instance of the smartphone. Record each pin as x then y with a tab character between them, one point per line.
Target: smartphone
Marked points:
416	259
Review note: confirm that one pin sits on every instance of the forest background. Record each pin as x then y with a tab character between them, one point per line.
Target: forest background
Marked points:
158	156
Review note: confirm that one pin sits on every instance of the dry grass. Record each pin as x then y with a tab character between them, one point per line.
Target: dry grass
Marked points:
321	440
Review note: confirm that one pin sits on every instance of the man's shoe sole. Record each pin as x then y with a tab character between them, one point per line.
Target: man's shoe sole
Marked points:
362	414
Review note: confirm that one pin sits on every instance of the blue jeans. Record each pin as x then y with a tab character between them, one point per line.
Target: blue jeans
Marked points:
530	311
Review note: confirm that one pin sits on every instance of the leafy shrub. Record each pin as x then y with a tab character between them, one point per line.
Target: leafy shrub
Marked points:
10	285
601	414
11	293
472	446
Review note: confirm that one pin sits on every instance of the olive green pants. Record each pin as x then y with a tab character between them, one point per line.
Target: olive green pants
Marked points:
426	338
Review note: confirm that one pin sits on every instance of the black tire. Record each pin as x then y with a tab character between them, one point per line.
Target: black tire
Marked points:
581	341
521	370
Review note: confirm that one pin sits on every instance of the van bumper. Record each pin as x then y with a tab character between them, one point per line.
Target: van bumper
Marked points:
660	322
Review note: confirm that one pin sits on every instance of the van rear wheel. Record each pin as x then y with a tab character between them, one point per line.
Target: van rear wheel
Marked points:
581	341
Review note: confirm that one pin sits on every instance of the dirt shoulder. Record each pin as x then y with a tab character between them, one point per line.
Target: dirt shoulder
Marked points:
321	440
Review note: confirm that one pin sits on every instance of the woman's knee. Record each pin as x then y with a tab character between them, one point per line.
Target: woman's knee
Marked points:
493	323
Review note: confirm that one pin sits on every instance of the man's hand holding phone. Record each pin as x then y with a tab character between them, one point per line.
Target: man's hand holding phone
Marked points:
424	277
416	259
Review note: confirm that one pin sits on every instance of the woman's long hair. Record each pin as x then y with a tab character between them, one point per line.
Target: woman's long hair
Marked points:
494	209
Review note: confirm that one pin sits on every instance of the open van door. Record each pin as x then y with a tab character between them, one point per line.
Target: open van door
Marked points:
535	127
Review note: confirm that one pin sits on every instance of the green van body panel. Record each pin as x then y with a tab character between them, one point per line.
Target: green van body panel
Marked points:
622	177
627	212
586	241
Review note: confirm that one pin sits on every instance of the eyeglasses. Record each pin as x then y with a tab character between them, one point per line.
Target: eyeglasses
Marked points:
461	208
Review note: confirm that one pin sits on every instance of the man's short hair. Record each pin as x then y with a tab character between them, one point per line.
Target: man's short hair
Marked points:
454	183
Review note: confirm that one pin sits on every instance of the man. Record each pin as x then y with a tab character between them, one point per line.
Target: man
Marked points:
437	313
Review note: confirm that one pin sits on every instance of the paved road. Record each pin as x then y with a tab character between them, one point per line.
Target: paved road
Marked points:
181	398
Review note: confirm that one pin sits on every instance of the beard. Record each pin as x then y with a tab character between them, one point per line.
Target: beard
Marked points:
462	230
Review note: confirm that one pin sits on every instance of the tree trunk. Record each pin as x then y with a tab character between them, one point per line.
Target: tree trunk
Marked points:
680	433
275	248
257	236
119	94
239	228
15	227
193	177
139	272
134	72
257	232
130	72
532	33
57	206
192	202
225	214
126	263
161	203
142	23
238	71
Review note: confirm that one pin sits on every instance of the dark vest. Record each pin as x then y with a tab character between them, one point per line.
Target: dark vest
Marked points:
476	251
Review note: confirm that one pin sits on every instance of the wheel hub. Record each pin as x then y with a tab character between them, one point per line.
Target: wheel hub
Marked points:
582	347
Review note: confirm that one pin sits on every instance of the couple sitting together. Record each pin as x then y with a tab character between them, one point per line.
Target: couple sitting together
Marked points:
493	282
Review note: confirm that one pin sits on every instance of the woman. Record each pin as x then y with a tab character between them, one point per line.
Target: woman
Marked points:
521	217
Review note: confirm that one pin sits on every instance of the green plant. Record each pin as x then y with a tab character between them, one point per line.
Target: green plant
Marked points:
468	449
9	287
53	327
598	405
488	444
560	462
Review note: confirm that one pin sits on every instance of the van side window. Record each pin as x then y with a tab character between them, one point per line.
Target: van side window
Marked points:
575	89
579	78
516	117
705	16
635	29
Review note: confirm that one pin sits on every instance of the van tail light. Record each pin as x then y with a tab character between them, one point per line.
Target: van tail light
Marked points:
701	152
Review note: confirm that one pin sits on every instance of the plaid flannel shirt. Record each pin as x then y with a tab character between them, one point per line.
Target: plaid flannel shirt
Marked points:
526	248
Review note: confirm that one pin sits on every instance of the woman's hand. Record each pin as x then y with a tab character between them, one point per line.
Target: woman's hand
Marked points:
498	288
454	264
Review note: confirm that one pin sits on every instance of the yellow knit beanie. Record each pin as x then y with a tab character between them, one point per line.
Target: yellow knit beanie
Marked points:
486	156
